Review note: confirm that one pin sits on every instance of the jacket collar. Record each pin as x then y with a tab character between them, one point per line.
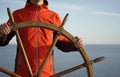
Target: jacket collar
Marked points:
29	5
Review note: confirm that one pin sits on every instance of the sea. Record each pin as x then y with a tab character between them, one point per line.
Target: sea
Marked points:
109	67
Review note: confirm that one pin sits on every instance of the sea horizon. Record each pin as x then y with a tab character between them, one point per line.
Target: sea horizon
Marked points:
109	67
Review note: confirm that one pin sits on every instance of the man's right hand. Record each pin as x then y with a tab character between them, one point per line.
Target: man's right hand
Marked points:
4	29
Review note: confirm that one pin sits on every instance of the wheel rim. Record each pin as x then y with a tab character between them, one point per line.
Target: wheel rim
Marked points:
62	32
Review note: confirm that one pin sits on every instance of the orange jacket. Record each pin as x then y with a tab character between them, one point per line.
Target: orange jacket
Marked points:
37	41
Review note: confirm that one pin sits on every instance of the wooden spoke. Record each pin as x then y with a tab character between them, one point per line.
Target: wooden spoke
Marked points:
51	48
77	67
9	72
20	44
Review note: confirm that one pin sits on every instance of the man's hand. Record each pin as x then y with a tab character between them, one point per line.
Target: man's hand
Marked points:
4	29
79	43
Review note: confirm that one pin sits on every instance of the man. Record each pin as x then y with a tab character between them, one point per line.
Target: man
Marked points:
36	41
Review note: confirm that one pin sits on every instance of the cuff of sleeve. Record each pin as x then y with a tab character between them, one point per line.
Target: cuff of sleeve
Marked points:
2	40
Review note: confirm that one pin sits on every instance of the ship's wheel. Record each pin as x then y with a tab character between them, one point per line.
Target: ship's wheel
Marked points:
59	31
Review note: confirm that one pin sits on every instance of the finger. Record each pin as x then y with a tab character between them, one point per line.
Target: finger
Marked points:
5	29
1	33
1	29
77	38
79	43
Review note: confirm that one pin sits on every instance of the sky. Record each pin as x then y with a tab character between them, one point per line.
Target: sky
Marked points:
95	21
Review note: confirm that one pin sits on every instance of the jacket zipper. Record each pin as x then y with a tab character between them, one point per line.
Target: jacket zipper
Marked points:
36	45
36	40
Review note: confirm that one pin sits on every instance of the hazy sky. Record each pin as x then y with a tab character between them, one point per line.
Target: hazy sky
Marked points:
95	21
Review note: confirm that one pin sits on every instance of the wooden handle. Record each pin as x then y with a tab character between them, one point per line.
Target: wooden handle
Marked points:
9	73
77	67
